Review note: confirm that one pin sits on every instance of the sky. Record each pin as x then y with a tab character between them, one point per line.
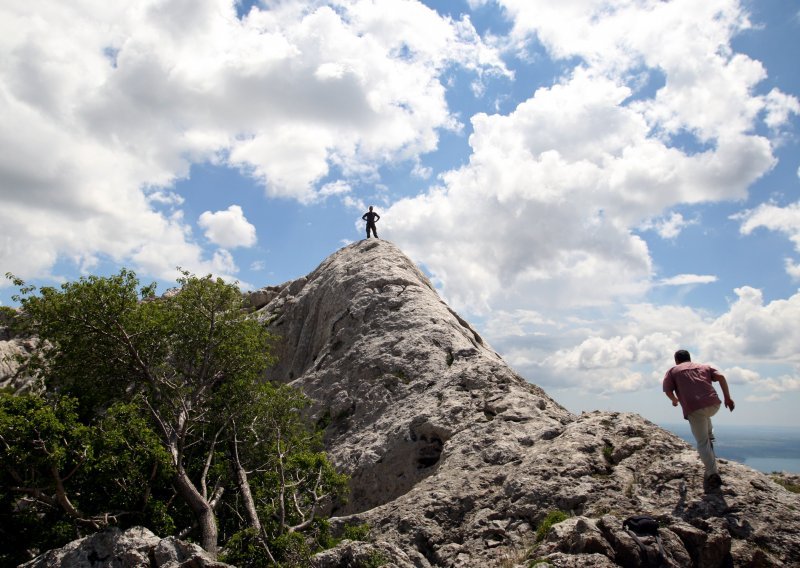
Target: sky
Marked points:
592	183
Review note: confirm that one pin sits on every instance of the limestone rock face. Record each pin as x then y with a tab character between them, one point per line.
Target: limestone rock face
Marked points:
11	346
136	547
456	460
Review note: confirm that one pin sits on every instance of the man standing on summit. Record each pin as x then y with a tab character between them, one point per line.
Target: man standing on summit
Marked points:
371	218
691	382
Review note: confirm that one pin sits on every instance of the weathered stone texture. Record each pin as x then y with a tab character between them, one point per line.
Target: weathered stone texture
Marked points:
457	459
134	548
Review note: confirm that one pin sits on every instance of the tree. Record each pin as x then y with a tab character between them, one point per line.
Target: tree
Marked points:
61	477
191	365
291	479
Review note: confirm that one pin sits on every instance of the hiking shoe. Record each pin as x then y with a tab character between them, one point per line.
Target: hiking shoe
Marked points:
713	481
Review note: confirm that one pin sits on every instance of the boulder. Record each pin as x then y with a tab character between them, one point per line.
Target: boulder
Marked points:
136	547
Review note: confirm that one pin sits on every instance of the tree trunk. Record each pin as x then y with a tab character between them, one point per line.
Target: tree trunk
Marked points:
202	510
244	488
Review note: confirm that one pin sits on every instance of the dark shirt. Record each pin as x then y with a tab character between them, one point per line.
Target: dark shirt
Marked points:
370	217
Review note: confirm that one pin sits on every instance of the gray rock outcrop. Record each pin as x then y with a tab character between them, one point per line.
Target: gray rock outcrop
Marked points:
456	460
13	345
136	547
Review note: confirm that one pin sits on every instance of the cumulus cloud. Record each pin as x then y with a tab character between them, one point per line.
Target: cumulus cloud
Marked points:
546	211
104	107
753	343
229	228
668	227
773	217
784	220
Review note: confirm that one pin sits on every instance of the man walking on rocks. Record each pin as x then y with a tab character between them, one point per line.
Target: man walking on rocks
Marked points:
690	385
371	218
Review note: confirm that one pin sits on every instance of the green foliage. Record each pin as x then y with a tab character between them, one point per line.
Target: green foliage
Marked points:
156	413
608	452
8	317
786	484
290	472
375	559
552	518
291	550
61	476
247	550
356	532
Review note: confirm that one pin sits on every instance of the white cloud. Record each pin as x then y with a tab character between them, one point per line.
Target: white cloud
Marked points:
165	198
779	108
764	398
785	220
753	343
773	217
545	212
754	330
104	107
338	187
668	227
228	228
687	280
792	268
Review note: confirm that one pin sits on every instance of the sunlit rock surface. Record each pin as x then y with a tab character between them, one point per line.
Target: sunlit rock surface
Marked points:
457	460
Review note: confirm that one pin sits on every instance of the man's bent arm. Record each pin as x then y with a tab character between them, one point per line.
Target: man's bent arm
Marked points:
726	393
672	397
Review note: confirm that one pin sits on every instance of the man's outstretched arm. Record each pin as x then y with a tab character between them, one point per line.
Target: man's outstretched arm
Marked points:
726	393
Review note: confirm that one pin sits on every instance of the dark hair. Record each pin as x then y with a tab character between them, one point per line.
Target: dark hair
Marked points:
682	356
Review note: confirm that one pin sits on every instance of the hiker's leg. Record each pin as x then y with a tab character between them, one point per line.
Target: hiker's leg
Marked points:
700	422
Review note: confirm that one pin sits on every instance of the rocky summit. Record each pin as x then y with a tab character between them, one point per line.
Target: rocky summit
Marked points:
458	461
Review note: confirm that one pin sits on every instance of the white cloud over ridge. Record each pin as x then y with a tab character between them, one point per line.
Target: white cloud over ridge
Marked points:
546	211
229	228
103	106
754	343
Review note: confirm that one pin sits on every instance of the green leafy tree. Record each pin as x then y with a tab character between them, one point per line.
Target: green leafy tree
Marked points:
284	477
61	477
187	369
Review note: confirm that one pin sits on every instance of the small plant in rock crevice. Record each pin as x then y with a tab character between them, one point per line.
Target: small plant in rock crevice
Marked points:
786	484
552	518
608	453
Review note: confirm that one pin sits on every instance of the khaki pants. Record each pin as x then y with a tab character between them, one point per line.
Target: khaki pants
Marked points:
700	421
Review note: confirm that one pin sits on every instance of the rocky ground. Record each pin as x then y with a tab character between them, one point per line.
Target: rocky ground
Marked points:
457	461
134	548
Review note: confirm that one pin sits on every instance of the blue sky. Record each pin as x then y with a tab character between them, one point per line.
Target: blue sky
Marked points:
594	184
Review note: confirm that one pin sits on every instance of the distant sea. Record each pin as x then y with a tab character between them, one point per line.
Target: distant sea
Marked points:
765	448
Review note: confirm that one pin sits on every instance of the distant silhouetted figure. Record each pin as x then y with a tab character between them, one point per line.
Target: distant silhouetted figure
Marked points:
371	218
689	384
